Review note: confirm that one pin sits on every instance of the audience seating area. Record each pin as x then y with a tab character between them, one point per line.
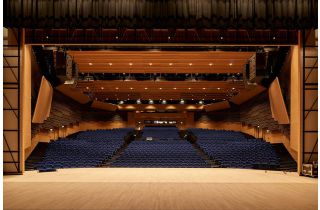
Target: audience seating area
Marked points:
87	149
161	133
232	150
160	153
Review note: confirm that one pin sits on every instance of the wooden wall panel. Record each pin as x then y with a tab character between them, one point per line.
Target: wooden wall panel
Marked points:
73	93
104	106
217	106
247	94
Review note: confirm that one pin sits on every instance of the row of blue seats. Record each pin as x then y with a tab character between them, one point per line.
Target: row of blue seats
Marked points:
87	149
232	149
170	153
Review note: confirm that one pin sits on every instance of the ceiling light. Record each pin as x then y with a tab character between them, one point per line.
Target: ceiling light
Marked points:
221	37
169	37
117	37
138	101
210	64
218	88
62	126
174	88
51	129
203	88
170	64
110	64
192	99
190	64
102	88
160	88
90	64
233	88
189	88
87	87
230	64
130	64
201	102
131	88
164	101
117	88
121	102
274	38
150	64
150	101
146	88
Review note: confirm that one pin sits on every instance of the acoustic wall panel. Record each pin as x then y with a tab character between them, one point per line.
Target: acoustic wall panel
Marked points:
43	105
278	107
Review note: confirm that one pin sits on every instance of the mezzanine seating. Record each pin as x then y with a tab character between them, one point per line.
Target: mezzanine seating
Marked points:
161	133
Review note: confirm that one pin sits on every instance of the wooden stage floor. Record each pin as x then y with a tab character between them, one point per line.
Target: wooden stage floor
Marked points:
161	189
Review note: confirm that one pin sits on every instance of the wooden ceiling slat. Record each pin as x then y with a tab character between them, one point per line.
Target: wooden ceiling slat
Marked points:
160	61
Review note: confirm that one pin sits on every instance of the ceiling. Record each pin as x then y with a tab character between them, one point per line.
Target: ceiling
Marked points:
128	91
160	61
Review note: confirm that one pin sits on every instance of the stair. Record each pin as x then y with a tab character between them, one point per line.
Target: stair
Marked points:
36	156
107	162
287	163
205	157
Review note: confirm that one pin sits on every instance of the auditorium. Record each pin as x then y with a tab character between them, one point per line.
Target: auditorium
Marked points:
160	104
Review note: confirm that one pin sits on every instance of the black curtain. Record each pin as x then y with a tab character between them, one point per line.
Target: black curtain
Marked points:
217	14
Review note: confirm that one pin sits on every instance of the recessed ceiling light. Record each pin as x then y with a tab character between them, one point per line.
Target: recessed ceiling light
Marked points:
117	88
90	64
203	88
218	88
190	64
110	64
62	126
174	88
221	37
150	64
102	88
274	38
210	64
146	88
169	37
117	37
160	88
131	88
189	88
230	64
87	87
130	64
170	64
233	88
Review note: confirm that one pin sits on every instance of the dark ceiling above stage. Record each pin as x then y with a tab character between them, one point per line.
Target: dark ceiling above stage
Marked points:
218	14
